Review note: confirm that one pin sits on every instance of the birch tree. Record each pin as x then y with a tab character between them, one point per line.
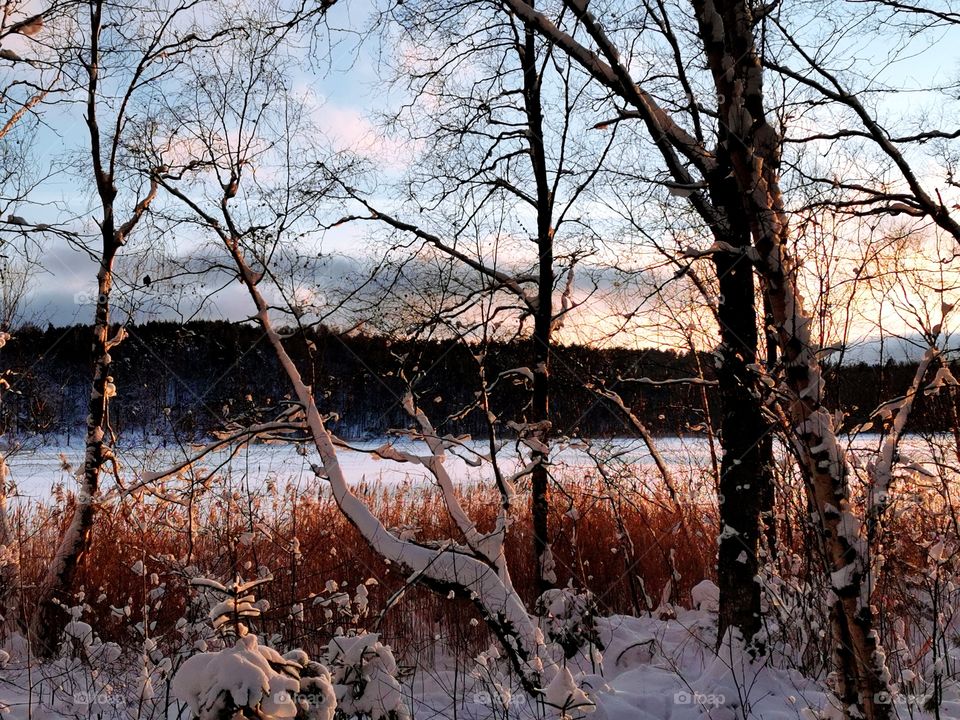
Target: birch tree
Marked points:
32	58
734	186
250	186
125	56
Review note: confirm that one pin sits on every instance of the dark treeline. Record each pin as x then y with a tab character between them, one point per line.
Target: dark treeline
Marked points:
189	379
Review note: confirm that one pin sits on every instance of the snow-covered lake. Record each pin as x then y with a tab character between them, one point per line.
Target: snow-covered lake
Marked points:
38	469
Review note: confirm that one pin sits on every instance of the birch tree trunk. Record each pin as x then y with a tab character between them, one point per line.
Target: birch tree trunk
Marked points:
482	577
48	619
50	615
750	145
726	28
9	575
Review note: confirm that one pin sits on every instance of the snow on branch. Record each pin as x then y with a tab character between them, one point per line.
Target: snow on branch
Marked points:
488	547
462	569
668	381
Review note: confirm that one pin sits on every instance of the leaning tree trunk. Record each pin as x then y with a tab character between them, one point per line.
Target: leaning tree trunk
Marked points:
478	572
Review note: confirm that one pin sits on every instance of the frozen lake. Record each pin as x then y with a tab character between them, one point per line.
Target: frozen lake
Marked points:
37	470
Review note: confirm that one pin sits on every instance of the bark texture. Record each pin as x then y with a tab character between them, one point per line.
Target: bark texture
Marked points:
750	145
50	616
9	580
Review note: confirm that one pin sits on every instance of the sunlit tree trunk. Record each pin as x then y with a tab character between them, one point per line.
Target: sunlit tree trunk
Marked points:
9	580
49	617
726	30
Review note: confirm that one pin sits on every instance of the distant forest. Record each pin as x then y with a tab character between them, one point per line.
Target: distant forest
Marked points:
187	379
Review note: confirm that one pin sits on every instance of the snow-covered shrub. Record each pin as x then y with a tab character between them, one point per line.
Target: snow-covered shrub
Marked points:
364	674
239	605
250	679
705	595
340	607
316	698
254	681
563	696
82	643
924	653
81	678
569	619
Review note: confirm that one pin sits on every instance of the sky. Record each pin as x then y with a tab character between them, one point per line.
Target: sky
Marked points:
346	93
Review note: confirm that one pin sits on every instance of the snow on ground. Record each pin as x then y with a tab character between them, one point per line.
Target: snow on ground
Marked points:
649	669
643	668
668	669
37	468
652	669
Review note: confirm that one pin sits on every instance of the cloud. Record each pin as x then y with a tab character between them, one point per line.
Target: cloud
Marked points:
350	129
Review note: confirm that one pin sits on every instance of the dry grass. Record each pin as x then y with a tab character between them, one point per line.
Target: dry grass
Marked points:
607	539
222	532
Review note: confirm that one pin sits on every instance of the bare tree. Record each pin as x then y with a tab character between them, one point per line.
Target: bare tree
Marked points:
249	185
703	176
734	187
901	156
31	57
499	185
120	73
